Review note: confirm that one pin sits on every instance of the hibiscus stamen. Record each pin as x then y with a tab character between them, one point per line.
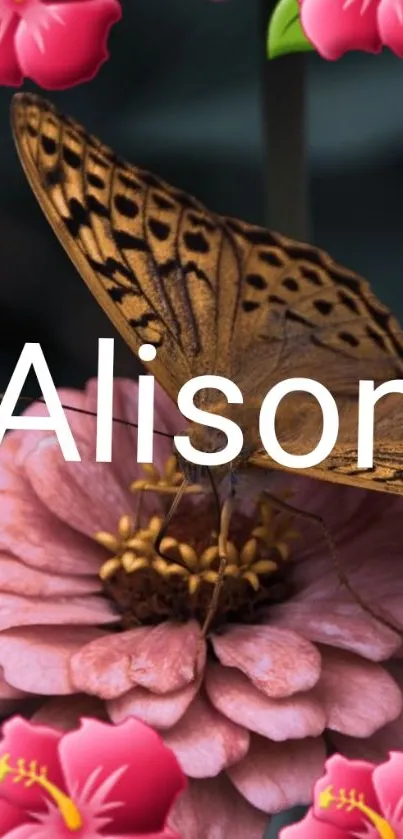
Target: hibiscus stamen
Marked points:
30	776
351	801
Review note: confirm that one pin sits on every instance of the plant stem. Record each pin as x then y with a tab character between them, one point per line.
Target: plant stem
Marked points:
284	130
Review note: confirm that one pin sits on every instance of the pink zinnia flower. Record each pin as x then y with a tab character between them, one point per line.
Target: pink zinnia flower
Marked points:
98	782
338	26
105	626
57	45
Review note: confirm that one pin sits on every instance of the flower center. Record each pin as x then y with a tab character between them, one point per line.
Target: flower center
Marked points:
30	776
353	801
178	582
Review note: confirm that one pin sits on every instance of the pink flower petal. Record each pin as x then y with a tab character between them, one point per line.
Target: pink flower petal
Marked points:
205	742
390	25
311	828
161	659
149	786
8	691
28	530
89	497
22	739
277	661
63	44
29	831
342	774
10	70
212	809
18	578
25	611
339	625
358	696
10	817
161	711
377	747
274	777
338	27
37	660
278	719
167	419
387	782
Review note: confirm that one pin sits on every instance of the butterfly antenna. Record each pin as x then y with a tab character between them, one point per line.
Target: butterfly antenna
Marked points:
284	506
87	413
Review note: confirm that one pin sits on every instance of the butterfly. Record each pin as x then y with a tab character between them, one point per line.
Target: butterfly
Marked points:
218	295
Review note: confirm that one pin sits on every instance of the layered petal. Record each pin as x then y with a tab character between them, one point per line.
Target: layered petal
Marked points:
63	44
212	809
161	711
277	661
205	742
162	659
339	624
28	611
358	696
37	661
277	719
274	777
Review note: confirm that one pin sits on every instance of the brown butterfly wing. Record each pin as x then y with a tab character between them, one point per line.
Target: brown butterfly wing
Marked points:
214	295
150	254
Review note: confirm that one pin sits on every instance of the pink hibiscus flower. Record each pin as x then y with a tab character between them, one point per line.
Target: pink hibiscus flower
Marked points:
98	782
57	45
355	798
338	26
104	625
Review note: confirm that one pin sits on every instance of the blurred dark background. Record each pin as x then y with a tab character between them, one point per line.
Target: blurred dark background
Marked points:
188	93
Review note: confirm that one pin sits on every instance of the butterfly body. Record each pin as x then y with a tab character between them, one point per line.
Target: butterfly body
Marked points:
216	295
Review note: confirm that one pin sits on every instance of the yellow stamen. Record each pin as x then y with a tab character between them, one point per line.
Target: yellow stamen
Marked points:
109	568
208	556
131	562
108	541
125	527
68	810
252	578
248	551
151	472
351	802
170	469
264	566
188	555
169	544
173	568
140	546
193	583
210	577
231	570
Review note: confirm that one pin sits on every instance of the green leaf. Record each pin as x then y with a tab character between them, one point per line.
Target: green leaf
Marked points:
285	33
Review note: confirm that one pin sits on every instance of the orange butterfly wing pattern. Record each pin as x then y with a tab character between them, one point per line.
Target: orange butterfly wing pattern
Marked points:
216	295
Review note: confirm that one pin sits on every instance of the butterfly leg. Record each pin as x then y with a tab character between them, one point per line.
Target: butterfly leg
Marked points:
167	520
225	521
284	506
